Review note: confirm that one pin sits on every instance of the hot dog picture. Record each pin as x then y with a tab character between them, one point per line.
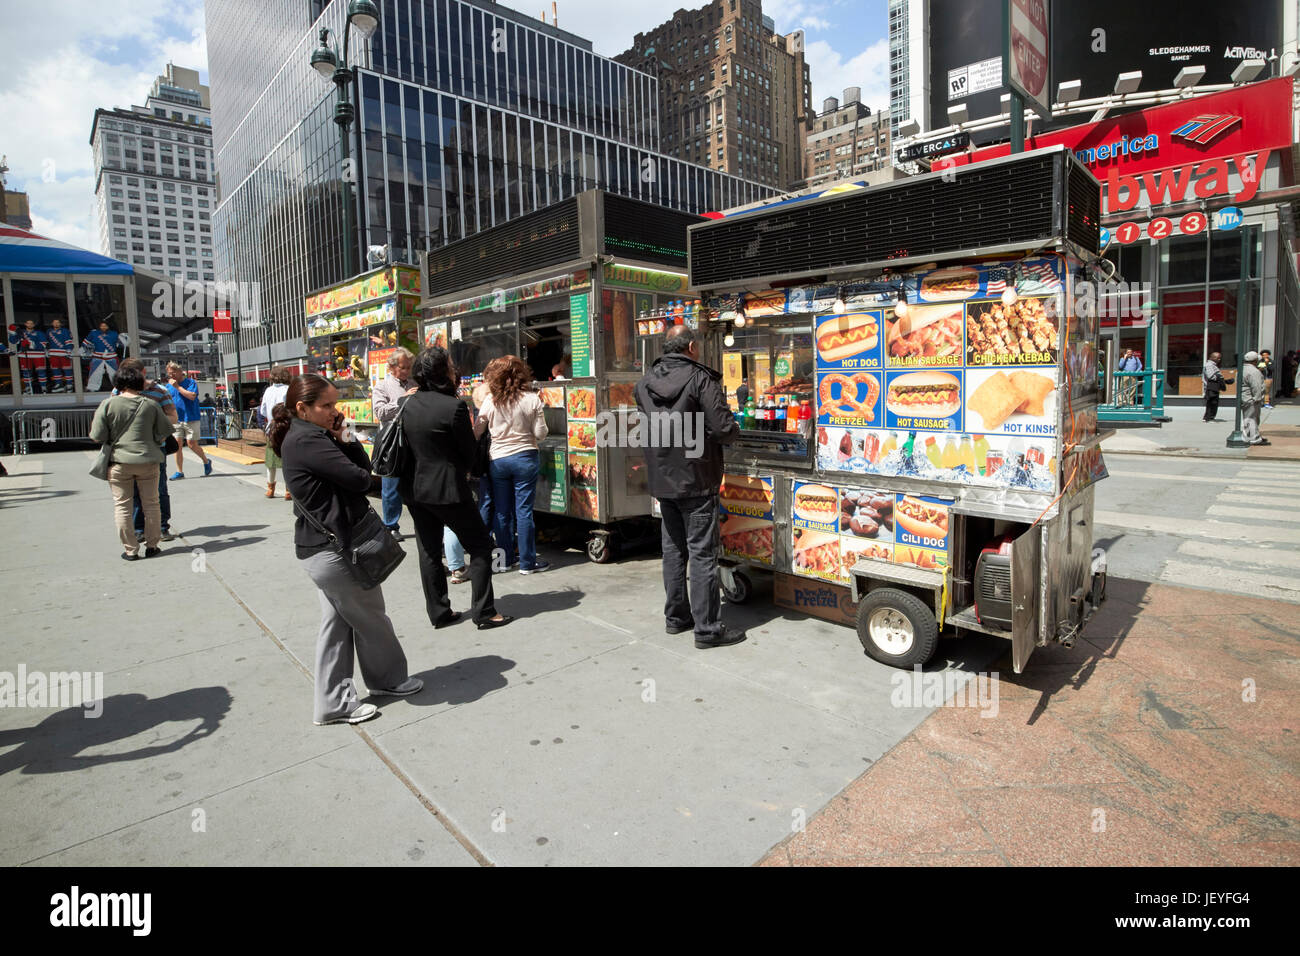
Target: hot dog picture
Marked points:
924	395
817	553
921	518
741	493
845	336
929	560
750	537
946	285
816	503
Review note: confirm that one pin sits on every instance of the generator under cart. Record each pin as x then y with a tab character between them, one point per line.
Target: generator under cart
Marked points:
914	370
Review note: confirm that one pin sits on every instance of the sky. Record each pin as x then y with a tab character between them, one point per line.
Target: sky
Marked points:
63	59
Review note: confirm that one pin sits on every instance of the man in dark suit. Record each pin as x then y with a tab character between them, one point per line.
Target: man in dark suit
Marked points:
434	487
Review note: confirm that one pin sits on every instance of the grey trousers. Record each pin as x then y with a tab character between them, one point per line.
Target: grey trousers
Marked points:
1250	421
690	532
352	619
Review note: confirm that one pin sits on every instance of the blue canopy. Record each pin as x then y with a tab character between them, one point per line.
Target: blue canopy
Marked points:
24	251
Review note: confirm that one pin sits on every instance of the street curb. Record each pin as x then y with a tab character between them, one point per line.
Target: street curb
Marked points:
1196	454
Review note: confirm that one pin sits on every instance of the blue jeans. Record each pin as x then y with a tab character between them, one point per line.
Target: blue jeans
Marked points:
514	485
392	502
164	503
452	549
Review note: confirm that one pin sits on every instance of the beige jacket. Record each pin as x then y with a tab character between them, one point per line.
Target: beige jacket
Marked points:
516	428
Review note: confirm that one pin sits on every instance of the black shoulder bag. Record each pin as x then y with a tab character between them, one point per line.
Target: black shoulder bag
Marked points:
374	553
391	450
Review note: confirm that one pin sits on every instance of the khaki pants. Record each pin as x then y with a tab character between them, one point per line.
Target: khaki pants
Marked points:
125	481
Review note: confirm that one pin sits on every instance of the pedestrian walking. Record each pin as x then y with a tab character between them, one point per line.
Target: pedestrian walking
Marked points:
1214	382
328	473
383	403
1251	396
686	482
163	397
185	393
1290	368
273	396
1266	369
134	427
1131	362
435	488
515	418
485	509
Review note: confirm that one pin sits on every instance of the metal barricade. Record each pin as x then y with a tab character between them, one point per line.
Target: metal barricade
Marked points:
1135	397
45	426
208	424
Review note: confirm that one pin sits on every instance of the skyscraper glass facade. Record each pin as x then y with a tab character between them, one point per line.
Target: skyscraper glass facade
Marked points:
467	115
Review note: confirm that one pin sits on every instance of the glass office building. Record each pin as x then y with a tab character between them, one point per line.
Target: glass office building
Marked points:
468	114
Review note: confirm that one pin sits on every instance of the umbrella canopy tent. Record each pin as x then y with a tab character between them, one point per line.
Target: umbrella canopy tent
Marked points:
44	279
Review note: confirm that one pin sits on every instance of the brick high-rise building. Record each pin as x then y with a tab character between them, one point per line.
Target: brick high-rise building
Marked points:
734	94
847	141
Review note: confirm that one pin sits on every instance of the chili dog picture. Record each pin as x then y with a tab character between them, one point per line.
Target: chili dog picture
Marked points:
850	341
745	495
924	400
921	521
929	336
944	285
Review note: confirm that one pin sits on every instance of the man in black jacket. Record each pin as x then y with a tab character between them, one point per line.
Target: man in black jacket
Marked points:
683	398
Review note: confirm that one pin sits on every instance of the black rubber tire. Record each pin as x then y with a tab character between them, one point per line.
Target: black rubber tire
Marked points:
600	550
743	590
925	629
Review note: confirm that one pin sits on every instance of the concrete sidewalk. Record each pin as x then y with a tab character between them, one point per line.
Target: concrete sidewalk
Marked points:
581	734
1168	736
1187	435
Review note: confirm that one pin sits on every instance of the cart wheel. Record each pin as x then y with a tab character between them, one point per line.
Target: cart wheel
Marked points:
897	628
739	590
599	549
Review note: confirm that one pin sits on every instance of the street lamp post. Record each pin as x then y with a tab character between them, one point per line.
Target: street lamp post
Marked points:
268	323
1237	439
364	15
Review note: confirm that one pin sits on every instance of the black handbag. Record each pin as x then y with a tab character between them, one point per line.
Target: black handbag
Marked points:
391	451
374	553
482	456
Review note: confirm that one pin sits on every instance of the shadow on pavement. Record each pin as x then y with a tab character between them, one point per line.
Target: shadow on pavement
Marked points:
54	745
464	682
217	531
1055	668
212	547
27	497
530	605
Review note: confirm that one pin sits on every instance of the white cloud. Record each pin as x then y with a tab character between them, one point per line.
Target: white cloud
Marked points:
832	73
107	55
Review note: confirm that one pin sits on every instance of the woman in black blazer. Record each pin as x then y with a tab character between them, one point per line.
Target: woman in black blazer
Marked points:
435	488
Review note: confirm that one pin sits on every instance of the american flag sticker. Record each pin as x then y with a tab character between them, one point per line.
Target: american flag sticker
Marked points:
997	281
1040	276
1206	128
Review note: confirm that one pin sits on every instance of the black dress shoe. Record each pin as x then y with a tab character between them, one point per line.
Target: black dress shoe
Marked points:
150	552
448	619
397	535
489	623
129	557
721	639
679	630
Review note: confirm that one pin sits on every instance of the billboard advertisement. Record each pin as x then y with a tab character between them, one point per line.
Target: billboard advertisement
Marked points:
1094	43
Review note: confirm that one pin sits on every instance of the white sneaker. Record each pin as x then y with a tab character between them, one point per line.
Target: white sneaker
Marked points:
363	712
412	685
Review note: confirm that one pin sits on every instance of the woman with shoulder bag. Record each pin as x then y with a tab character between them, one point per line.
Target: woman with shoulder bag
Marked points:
435	489
273	396
516	420
134	428
328	475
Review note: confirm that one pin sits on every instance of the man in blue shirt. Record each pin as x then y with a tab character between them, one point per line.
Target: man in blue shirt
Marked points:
185	394
1131	362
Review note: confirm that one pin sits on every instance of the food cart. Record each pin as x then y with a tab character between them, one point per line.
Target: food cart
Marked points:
944	482
567	289
352	329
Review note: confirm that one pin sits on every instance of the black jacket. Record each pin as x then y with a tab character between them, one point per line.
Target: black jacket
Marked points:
328	479
441	440
678	384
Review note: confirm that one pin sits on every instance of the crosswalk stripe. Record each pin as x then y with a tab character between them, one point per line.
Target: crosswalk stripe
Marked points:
1272	494
1279	587
1254	471
1204	480
1263	514
1274	499
1194	528
1241	554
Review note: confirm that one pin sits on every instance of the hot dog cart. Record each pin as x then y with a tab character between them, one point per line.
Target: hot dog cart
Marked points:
942	483
568	289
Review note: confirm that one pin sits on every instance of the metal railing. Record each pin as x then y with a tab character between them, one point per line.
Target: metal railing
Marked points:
49	426
1134	397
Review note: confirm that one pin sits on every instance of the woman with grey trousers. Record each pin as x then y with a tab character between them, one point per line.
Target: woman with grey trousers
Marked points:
328	474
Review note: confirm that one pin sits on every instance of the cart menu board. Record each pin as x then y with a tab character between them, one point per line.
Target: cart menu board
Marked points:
836	526
552	487
962	386
580	334
745	506
580	404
